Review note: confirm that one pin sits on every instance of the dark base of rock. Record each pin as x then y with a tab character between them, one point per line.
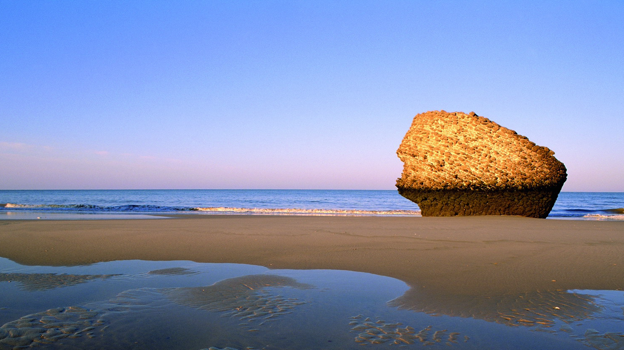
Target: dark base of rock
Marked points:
535	203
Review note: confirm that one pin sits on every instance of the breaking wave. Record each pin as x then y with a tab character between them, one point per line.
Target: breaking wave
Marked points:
204	210
94	208
604	217
297	211
589	214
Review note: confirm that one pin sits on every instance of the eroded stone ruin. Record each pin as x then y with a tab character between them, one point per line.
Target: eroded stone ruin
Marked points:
464	164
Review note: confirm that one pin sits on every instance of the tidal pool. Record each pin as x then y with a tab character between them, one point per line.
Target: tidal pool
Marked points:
186	305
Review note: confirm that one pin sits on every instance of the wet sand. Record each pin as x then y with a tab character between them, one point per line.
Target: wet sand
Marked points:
466	266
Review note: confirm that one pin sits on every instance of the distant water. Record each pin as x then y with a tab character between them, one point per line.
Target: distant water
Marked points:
121	203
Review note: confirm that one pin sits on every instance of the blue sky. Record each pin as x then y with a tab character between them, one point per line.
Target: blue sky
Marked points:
296	94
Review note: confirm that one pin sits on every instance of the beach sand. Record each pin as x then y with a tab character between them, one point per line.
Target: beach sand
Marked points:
481	267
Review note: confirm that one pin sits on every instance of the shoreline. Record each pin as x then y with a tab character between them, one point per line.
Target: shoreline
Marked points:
86	216
449	263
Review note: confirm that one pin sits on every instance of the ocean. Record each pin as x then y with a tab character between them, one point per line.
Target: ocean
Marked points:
59	204
182	304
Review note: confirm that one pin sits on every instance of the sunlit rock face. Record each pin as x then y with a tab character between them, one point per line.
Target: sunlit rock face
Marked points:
464	164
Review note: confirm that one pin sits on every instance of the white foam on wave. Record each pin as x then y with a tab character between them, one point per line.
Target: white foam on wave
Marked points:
297	211
604	217
13	205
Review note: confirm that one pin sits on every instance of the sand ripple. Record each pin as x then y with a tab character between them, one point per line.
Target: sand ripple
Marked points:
538	308
382	332
50	326
244	297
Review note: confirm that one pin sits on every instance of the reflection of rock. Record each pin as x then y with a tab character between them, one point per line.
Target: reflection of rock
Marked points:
551	311
539	308
243	297
463	164
44	281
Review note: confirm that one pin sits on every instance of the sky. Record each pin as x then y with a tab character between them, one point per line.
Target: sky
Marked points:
296	94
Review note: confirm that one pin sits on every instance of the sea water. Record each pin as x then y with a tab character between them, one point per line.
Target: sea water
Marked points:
187	305
60	204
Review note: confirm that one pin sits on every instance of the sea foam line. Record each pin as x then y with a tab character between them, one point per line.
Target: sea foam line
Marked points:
299	211
93	207
209	210
603	217
13	205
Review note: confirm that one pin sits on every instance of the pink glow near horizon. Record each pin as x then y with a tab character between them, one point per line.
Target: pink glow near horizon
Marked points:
296	95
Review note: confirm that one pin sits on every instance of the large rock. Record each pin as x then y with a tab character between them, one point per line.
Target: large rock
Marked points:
464	164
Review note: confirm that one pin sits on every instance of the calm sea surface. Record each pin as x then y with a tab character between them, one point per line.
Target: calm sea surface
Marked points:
139	203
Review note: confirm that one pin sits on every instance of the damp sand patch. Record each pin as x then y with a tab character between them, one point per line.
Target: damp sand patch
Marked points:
44	281
173	271
542	309
246	298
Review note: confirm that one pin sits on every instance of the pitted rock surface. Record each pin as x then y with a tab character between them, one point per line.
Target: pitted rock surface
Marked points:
464	164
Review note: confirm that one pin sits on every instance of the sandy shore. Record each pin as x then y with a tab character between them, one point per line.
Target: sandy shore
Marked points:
450	263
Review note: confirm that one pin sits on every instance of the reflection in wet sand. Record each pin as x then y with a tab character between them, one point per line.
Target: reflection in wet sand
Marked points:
248	313
554	311
245	298
45	281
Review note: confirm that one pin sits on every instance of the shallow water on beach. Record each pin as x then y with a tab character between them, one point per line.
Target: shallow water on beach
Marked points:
186	305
